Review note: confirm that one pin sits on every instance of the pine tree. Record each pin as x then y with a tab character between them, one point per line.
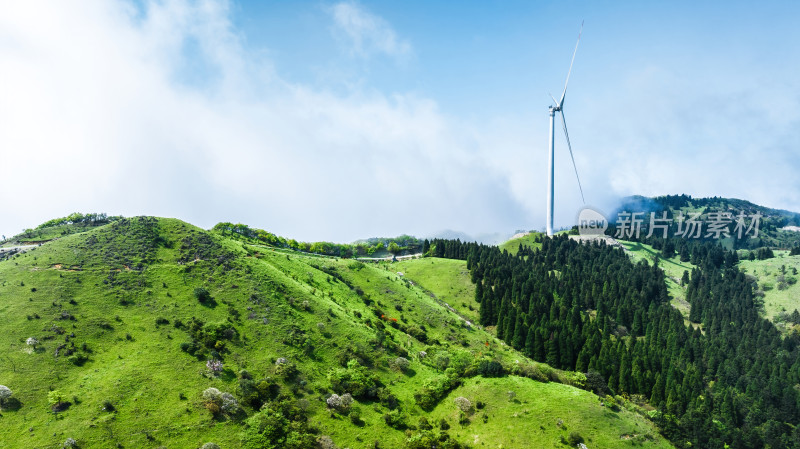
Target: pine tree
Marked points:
530	343
552	351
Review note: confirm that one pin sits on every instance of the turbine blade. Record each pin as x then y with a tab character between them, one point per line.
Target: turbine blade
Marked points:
561	103
554	98
569	145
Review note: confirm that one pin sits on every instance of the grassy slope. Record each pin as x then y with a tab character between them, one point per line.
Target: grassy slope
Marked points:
531	418
115	282
673	268
766	273
512	246
49	233
447	279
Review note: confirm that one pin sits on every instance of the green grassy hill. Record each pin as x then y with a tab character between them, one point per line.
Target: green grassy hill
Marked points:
127	316
777	282
776	278
531	239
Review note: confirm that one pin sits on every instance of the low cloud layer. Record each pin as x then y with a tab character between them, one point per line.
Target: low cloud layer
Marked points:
100	112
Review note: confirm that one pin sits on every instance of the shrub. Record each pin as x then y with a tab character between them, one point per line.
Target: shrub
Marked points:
341	403
387	399
355	416
400	364
215	366
210	446
213	408
202	295
56	398
428	439
463	404
424	424
325	442
278	424
395	419
532	372
32	342
574	438
575	379
70	442
230	406
78	359
212	395
218	402
433	391
5	394
491	368
287	370
355	379
595	382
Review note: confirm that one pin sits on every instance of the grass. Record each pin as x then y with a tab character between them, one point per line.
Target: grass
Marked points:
117	280
531	418
673	269
447	279
767	273
47	234
527	240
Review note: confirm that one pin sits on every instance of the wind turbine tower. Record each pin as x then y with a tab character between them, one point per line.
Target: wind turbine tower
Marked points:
558	106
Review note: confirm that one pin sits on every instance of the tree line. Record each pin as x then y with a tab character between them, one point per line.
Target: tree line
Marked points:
728	377
369	247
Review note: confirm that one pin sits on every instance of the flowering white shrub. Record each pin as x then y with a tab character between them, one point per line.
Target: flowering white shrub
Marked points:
215	366
400	364
325	442
212	395
229	404
32	341
335	401
341	403
463	404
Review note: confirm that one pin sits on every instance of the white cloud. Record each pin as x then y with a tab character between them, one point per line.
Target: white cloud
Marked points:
366	34
165	111
101	112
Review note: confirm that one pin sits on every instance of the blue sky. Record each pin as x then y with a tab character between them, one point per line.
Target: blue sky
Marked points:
342	120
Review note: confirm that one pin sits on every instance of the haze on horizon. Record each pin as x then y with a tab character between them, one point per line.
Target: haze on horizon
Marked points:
343	120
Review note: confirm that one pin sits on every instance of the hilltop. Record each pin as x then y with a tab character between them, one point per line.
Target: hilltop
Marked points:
151	332
774	228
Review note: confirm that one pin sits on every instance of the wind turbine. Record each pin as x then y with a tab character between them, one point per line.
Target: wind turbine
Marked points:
558	106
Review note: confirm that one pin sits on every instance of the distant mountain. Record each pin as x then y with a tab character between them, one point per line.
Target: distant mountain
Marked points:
771	228
495	238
